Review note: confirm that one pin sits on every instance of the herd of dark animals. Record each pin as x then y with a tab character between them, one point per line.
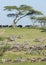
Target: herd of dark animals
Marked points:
10	26
16	25
20	26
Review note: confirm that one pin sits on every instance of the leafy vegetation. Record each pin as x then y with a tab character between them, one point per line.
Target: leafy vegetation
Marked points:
23	10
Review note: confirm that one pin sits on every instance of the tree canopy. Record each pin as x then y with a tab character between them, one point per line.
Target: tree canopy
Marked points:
40	19
22	11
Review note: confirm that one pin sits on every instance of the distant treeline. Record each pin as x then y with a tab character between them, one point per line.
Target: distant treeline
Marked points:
19	26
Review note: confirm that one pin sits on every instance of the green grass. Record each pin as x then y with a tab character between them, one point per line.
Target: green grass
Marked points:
29	35
24	63
14	55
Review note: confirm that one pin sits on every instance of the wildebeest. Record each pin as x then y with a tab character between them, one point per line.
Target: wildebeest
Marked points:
4	25
19	26
10	26
28	26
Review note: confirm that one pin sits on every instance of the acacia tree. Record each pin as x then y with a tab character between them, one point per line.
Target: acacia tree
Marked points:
41	20
22	11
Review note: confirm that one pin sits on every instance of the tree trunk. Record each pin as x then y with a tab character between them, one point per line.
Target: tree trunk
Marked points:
17	19
43	24
14	24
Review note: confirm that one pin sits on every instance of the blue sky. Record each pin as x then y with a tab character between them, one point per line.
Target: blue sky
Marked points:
37	4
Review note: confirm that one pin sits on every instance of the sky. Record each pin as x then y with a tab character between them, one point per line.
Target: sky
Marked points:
36	4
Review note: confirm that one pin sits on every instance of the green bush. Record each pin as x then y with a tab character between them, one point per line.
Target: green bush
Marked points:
2	38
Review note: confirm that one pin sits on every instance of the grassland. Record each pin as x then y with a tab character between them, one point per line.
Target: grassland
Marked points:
24	63
29	34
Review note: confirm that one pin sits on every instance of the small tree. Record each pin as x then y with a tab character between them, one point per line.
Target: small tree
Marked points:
41	20
22	11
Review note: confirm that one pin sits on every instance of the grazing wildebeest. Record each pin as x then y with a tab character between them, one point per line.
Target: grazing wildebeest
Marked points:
20	26
10	26
5	26
28	26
